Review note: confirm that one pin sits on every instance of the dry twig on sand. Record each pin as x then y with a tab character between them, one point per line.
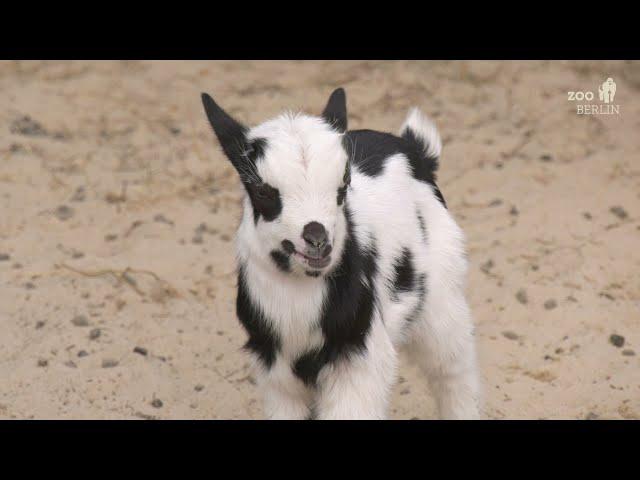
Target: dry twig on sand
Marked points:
124	276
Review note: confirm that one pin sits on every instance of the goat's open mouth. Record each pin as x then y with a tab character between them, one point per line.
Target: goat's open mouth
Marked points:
314	262
319	260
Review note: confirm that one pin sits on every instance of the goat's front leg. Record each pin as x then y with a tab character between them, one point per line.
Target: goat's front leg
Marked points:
358	385
285	396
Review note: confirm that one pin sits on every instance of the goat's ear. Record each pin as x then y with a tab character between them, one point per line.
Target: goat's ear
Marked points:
231	134
336	110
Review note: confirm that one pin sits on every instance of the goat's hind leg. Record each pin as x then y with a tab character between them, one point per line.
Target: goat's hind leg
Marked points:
443	344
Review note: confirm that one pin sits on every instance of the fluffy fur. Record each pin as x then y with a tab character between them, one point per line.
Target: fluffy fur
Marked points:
384	267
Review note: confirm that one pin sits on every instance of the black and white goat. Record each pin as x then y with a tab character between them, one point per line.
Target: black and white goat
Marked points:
346	253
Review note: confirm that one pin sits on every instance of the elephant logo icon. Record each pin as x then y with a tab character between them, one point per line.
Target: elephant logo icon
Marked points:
607	90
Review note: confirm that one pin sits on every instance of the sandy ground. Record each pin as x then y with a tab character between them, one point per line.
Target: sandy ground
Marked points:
117	216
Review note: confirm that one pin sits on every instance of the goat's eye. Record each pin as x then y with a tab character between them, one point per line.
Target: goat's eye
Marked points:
262	194
265	200
265	192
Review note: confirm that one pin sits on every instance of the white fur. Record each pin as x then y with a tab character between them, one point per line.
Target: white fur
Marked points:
304	158
425	129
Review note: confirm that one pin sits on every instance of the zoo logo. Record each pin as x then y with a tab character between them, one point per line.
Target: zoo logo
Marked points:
606	94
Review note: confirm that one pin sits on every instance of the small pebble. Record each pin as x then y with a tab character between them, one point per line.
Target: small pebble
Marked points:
616	340
94	334
80	321
82	353
71	364
510	335
64	212
110	237
162	219
514	211
156	403
79	195
109	363
42	362
592	416
550	304
199	387
619	212
546	157
141	350
144	416
197	239
495	203
27	126
29	286
40	324
521	296
4	257
628	352
111	197
587	215
487	266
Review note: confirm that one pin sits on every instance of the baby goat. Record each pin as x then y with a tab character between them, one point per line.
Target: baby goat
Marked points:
346	252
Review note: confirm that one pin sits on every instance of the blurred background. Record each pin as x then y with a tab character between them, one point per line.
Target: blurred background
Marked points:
118	211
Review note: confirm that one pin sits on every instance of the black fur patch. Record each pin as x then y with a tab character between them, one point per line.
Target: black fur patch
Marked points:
342	193
281	260
421	289
349	308
312	273
307	366
350	304
423	226
263	341
424	168
265	201
287	246
369	151
404	279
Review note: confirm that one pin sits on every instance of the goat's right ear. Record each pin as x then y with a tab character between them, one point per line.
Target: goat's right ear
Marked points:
231	134
335	113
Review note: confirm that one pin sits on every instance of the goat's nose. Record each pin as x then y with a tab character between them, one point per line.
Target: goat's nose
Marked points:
314	234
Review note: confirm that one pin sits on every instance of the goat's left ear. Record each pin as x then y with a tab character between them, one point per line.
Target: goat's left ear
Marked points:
230	133
336	110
